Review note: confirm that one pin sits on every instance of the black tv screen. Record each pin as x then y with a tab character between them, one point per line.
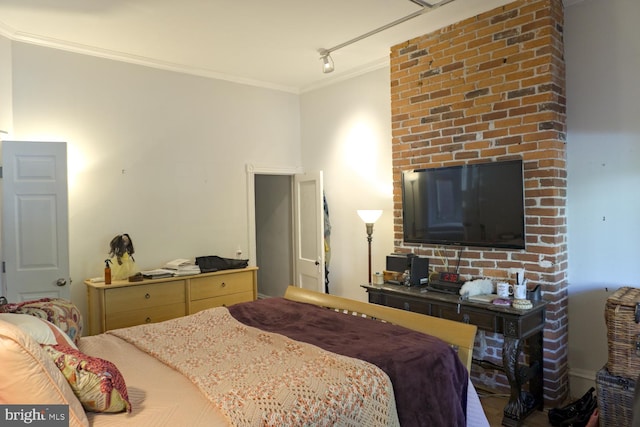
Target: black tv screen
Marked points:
471	205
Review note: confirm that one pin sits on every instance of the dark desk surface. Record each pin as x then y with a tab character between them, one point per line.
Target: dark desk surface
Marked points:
423	292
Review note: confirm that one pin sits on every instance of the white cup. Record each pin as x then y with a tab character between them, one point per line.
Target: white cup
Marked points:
378	279
504	290
520	291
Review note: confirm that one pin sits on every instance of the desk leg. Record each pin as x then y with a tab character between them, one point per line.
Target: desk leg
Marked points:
536	355
520	403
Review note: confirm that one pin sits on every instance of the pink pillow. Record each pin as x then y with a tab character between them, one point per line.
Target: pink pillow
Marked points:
28	376
96	382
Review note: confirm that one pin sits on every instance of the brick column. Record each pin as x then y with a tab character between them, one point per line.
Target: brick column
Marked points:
492	88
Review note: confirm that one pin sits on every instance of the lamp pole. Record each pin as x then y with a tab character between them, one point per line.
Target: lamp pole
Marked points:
369	217
369	239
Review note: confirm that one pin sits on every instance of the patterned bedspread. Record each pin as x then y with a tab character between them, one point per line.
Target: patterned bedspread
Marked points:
258	378
429	380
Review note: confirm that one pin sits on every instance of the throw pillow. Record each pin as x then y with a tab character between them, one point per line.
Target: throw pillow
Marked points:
96	382
39	329
58	311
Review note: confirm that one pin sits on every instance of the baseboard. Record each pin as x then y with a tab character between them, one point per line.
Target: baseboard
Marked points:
263	296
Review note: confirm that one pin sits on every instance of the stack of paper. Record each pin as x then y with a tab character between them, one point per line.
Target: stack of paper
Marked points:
158	273
182	267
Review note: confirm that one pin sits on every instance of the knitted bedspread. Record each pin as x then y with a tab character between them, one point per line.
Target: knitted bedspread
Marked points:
259	378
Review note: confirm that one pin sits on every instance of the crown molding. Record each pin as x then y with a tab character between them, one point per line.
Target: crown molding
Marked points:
24	37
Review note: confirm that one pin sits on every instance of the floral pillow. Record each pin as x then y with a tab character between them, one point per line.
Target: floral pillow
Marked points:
96	382
62	313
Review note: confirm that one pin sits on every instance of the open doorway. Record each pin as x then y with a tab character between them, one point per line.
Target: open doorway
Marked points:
274	233
286	221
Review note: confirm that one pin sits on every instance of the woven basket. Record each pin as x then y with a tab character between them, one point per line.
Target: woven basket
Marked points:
622	315
615	399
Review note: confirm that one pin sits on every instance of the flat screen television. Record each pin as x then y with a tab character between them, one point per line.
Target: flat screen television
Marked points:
479	204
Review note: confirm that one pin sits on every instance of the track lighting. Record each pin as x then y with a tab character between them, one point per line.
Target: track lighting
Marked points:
325	54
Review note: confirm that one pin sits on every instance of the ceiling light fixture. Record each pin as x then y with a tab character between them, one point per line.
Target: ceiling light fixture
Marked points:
327	61
325	54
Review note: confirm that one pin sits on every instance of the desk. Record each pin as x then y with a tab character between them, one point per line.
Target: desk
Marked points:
515	325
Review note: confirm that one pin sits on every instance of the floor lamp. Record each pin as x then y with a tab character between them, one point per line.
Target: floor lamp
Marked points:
369	217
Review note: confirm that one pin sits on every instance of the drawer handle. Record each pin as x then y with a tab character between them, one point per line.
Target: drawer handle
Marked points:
147	320
224	284
147	296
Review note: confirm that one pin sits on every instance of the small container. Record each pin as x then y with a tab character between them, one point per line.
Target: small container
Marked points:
107	272
378	279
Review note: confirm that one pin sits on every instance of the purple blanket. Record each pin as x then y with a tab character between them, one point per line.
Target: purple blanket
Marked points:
429	380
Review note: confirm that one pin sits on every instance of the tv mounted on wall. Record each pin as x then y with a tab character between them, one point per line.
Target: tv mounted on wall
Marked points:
478	204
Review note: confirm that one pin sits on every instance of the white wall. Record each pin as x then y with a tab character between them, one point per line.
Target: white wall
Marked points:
156	154
346	133
6	110
602	55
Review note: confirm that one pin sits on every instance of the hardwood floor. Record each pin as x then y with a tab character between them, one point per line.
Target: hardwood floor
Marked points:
493	404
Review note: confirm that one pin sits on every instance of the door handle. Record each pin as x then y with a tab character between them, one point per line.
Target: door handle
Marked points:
61	282
317	262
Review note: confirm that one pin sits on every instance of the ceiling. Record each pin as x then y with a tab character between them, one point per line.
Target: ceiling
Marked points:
270	44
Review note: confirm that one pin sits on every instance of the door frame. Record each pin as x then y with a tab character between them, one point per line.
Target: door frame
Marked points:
253	170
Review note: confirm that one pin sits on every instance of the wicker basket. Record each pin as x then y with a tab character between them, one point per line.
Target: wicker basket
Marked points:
622	315
615	399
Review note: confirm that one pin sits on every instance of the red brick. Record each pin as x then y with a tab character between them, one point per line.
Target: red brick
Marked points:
522	115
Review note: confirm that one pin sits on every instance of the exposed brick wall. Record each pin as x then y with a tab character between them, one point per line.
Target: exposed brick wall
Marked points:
492	88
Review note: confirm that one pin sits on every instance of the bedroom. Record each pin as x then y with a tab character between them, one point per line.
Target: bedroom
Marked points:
150	123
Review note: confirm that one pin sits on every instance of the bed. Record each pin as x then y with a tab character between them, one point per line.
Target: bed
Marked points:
296	360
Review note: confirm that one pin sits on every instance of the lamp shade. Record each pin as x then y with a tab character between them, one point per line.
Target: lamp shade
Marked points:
370	216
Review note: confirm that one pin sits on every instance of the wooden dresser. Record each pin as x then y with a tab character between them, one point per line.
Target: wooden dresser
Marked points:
122	303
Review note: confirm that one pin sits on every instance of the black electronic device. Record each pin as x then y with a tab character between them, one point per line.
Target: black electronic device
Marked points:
480	204
446	282
419	270
399	262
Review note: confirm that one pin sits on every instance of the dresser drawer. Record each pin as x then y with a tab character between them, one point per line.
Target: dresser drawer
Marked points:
222	301
483	320
140	297
224	284
408	304
125	319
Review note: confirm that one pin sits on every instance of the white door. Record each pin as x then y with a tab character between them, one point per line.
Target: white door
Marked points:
309	231
35	235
